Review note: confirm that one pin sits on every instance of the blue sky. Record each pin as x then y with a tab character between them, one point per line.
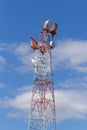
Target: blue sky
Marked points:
21	19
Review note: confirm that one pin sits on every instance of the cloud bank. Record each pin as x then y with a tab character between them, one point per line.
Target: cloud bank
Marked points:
69	54
70	104
75	83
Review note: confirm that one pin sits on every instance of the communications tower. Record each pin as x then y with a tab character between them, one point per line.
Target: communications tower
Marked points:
42	108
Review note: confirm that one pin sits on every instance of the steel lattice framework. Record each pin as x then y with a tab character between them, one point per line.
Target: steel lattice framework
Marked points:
42	109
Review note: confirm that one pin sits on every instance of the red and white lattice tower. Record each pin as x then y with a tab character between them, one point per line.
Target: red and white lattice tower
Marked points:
42	109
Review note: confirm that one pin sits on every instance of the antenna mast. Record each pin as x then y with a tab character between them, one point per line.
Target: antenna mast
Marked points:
42	108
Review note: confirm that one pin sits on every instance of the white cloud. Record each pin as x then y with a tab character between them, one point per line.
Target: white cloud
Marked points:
23	68
2	60
3	46
71	54
23	89
2	63
20	102
23	54
70	104
14	114
2	85
22	49
68	54
76	82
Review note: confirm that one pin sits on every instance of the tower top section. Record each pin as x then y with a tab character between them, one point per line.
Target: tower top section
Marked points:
46	37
